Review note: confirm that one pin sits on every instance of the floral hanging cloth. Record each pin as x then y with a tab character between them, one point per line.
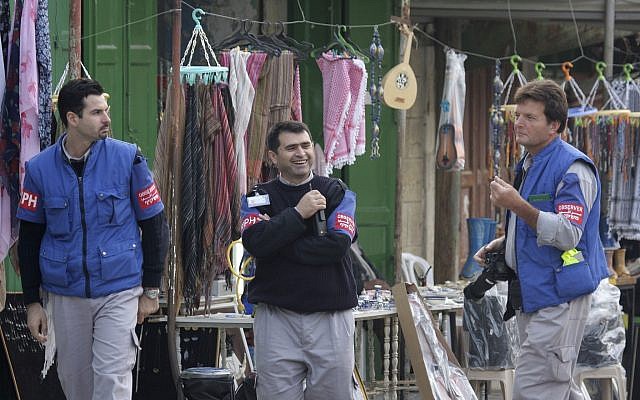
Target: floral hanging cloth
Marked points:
10	138
43	59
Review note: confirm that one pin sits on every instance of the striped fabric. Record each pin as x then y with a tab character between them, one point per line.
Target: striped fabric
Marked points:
193	204
259	123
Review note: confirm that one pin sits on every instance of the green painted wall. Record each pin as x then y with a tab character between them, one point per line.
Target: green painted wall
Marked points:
125	62
373	181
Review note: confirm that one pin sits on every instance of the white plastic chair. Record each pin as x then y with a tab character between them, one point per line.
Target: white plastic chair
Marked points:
412	264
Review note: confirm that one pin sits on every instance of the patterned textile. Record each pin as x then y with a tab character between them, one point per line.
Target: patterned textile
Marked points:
336	99
192	203
29	140
5	202
226	200
344	89
242	94
5	26
280	108
259	123
10	130
624	205
296	97
43	57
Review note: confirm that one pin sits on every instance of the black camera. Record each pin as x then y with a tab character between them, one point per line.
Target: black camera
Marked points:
496	270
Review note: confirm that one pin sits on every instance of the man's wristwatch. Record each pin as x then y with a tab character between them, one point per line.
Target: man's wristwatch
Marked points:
151	293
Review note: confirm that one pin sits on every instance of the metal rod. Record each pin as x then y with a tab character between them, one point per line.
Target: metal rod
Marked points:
609	30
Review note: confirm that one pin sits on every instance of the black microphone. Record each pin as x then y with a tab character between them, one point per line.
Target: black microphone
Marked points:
320	223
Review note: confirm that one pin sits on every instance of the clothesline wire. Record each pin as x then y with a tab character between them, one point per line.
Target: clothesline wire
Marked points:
582	55
115	28
513	30
304	20
575	25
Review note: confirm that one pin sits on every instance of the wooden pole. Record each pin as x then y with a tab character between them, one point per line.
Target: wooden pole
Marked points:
171	301
446	241
402	126
75	44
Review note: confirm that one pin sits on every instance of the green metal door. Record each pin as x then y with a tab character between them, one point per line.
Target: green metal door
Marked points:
120	50
373	181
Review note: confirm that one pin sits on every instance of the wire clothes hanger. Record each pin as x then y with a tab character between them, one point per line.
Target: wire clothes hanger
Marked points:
243	37
629	85
203	73
274	40
302	46
584	108
614	100
515	73
339	45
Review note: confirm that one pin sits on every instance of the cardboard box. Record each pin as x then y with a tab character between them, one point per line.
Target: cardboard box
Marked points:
414	347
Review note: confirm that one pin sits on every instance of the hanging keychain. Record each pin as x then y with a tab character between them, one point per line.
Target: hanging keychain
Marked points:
375	90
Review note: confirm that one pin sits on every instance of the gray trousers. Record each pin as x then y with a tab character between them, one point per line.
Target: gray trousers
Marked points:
550	340
291	347
96	344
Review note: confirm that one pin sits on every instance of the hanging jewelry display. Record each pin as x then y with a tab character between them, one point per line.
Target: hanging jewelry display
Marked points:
375	91
497	121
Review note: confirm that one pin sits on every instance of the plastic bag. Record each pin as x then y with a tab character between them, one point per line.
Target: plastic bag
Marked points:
492	343
450	140
448	381
604	340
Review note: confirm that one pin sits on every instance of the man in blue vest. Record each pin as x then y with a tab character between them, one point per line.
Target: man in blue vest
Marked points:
93	237
552	243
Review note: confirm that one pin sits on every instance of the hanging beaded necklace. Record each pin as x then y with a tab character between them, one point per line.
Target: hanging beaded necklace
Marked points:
375	90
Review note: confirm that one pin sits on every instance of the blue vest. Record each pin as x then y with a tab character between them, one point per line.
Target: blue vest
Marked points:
545	279
92	243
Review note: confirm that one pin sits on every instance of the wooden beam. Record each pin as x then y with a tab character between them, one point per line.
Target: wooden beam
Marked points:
402	126
75	44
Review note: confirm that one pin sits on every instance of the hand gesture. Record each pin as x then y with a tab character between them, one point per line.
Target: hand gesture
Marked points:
146	307
494	245
37	322
310	203
503	194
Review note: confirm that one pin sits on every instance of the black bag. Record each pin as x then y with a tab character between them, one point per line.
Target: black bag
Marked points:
247	389
206	383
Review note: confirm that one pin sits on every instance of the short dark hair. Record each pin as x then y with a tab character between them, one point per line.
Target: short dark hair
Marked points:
551	95
273	138
72	95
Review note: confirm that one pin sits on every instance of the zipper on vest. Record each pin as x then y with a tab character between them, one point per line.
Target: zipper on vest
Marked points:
83	220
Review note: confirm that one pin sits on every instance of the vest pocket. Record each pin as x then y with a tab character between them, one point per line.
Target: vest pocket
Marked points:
118	260
113	206
54	268
58	214
573	280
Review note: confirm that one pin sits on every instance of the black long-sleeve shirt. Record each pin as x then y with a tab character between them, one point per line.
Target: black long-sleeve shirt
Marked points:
295	269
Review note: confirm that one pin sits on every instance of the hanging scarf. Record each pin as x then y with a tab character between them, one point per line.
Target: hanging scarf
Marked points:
43	57
337	97
29	138
242	95
5	202
5	26
10	130
193	204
